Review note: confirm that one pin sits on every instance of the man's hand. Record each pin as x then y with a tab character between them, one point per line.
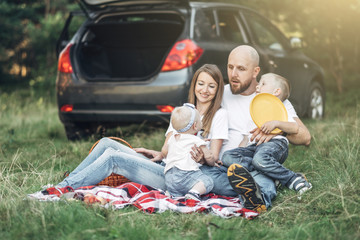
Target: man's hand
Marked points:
154	156
260	137
197	154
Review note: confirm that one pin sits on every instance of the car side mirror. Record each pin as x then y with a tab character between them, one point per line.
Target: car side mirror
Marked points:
295	43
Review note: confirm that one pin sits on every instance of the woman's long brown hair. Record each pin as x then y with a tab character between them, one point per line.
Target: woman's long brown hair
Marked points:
215	105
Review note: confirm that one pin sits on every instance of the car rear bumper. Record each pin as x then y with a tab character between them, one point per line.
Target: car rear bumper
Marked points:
121	102
113	116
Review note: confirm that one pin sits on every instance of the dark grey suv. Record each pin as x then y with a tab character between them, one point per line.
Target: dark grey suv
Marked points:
132	61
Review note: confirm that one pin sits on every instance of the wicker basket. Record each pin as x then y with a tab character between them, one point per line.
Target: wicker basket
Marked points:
114	179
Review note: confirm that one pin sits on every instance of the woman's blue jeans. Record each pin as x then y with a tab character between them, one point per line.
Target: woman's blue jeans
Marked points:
110	156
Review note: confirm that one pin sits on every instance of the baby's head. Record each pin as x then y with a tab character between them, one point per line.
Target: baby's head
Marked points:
274	84
186	119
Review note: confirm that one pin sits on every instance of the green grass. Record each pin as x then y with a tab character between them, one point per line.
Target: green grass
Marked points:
34	151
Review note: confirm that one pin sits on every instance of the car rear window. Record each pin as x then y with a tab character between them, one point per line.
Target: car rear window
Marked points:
205	26
230	26
140	17
265	33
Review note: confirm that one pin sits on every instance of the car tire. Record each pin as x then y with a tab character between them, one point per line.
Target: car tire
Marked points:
76	131
316	103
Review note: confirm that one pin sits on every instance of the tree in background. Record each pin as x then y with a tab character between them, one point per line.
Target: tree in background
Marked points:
329	29
29	31
14	17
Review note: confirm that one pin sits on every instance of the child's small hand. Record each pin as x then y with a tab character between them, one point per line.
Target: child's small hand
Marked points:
216	165
268	127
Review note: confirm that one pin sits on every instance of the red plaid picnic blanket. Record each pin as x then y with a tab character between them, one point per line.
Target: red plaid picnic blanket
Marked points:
152	200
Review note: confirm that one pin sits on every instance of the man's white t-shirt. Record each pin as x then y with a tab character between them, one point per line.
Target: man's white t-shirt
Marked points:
238	108
218	129
179	152
239	116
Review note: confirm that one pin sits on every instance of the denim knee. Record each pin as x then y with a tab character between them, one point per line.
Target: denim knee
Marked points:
103	144
229	157
240	156
226	159
259	162
105	141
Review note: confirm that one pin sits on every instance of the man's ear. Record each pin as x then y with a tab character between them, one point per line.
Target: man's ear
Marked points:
256	71
277	92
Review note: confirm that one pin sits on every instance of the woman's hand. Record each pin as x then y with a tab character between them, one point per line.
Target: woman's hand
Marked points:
154	156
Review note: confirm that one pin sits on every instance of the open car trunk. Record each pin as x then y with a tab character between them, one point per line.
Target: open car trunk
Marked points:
127	47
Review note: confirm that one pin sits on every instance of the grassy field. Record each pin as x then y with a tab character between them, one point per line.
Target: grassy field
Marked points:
34	152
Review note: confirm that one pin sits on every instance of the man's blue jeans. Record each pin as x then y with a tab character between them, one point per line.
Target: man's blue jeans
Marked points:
266	158
223	187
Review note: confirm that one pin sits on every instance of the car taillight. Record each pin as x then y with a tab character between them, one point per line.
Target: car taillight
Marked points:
183	54
67	108
165	108
64	60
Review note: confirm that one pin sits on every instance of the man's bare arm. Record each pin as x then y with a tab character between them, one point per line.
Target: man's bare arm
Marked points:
303	137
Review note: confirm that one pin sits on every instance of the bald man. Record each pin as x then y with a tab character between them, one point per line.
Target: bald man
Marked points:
243	69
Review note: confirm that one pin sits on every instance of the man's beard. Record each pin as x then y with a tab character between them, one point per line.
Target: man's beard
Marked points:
243	87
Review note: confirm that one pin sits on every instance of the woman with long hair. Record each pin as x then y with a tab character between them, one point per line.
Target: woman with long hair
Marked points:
138	165
206	91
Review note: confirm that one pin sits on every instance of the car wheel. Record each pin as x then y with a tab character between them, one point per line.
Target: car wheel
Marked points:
75	131
316	106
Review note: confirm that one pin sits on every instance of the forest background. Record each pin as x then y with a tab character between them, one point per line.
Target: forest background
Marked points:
328	28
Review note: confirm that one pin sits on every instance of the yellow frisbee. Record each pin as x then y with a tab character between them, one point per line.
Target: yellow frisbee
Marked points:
266	107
